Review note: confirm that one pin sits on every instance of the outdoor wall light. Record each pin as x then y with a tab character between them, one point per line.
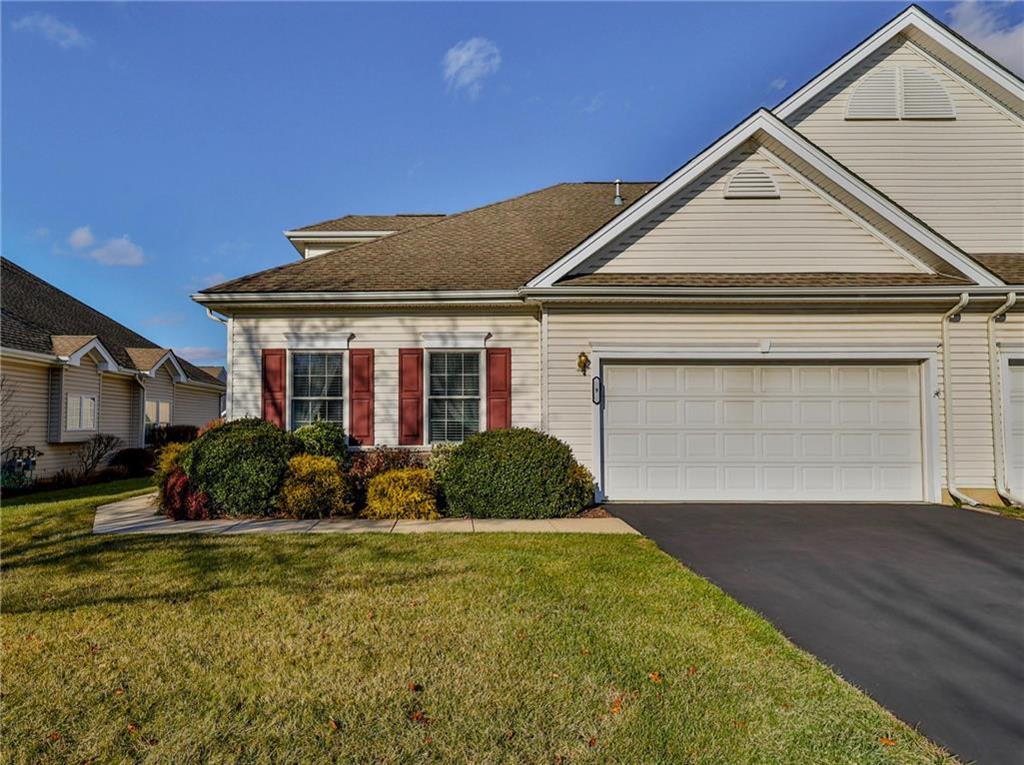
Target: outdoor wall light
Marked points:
583	362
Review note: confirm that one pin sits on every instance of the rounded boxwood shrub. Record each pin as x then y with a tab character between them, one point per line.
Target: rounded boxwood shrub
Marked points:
325	439
241	465
517	473
315	487
404	493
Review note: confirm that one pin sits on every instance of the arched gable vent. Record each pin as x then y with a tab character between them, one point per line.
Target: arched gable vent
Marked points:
903	92
751	183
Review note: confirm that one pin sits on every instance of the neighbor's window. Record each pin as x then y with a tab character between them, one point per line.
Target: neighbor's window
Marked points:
81	414
453	405
158	413
316	388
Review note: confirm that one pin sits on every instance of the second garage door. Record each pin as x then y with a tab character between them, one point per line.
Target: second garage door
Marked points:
762	432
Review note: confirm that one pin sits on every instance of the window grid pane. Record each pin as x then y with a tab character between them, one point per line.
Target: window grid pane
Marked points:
316	388
453	410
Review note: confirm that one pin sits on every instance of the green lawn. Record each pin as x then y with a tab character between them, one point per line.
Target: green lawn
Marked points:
396	649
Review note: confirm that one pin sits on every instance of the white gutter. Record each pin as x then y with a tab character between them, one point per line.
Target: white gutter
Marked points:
404	297
996	383
947	404
314	235
210	315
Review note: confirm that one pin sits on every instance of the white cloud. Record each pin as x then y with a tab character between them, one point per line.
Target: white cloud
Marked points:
200	353
58	32
985	25
777	84
594	105
118	252
466	64
81	237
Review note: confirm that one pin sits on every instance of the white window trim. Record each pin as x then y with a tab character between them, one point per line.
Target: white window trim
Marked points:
67	411
482	368
1008	353
924	354
345	403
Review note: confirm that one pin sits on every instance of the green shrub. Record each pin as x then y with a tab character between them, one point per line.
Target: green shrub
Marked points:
440	459
325	439
518	473
372	462
405	493
241	465
315	487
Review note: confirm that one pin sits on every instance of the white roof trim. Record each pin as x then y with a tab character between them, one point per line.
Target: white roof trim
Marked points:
765	121
173	360
455	339
312	235
75	359
912	17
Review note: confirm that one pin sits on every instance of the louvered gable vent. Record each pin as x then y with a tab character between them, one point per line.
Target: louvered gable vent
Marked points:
924	97
903	92
876	97
751	183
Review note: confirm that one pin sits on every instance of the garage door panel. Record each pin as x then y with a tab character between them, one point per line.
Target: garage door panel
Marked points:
749	432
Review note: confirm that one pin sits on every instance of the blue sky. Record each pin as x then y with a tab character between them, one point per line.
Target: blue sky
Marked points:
150	150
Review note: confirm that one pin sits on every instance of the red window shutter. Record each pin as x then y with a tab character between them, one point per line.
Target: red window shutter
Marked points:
275	368
499	388
410	396
360	396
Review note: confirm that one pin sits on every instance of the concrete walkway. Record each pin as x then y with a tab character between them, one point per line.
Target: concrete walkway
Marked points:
139	515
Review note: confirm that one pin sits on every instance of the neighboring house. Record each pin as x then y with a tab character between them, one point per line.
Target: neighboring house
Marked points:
800	312
69	372
221	373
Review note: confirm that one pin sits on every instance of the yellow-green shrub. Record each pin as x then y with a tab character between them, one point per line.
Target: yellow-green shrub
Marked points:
405	493
167	459
314	487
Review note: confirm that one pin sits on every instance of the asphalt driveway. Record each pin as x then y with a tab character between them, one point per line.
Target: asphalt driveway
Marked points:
921	606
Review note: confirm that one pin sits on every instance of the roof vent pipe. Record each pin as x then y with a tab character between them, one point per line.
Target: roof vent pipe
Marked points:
618	193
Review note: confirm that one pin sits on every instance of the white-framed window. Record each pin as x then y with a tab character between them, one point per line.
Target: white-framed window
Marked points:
81	412
316	387
158	413
453	395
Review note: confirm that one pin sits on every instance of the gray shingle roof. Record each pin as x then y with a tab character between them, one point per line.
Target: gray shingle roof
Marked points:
499	246
34	312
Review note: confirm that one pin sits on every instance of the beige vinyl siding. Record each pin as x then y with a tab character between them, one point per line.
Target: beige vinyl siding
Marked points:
160	387
83	380
701	231
116	410
964	177
570	411
386	333
195	406
29	405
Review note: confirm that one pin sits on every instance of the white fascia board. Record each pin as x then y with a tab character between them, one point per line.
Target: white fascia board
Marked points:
427	296
339	235
912	18
765	121
17	353
757	294
170	358
75	359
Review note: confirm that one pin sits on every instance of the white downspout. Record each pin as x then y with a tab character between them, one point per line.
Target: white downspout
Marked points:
947	404
996	382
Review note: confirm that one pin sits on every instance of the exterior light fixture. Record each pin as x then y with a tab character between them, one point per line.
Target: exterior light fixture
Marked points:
583	362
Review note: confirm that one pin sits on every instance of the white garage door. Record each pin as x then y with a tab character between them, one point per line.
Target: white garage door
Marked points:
762	432
1015	428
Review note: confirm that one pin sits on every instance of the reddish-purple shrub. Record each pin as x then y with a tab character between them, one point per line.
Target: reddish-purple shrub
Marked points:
182	501
373	462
